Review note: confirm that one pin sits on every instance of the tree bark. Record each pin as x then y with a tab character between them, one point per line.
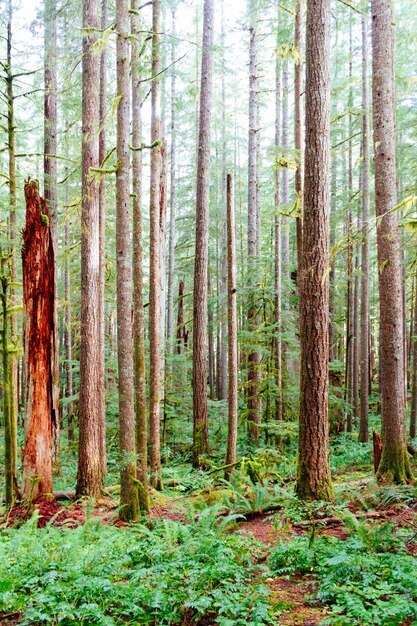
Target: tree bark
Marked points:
313	479
128	487
394	464
139	318
223	351
172	202
277	252
154	258
10	381
38	265
51	198
232	327
413	409
364	313
298	128
102	221
90	466
200	409
253	357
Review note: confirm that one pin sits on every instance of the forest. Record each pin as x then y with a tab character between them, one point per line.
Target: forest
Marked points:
208	312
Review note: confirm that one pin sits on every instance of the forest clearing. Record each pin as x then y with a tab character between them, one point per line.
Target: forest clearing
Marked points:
208	321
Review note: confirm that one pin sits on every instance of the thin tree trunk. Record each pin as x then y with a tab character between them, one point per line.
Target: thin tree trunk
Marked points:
69	384
253	357
50	189
394	464
277	252
154	259
139	318
413	410
364	313
102	221
128	487
38	265
211	364
10	380
223	352
284	177
180	318
314	480
232	327
90	467
172	217
200	409
298	128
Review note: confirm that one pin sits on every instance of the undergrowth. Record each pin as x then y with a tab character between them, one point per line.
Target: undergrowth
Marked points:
171	574
366	579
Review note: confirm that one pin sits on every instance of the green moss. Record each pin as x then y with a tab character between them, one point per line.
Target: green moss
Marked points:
308	490
394	466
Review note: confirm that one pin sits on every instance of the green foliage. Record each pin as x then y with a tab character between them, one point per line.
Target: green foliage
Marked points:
102	575
367	579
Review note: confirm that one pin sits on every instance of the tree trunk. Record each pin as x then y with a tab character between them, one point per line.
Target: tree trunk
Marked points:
200	409
277	252
181	330
253	357
284	177
394	464
90	465
38	265
232	327
11	379
69	384
364	313
298	127
172	215
313	479
154	258
139	318
128	487
413	410
50	189
223	351
102	221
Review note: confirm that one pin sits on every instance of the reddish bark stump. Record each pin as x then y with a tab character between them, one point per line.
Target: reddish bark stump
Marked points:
38	300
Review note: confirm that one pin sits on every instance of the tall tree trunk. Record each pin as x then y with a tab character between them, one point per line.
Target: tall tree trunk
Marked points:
284	176
154	260
364	313
128	487
172	215
232	326
102	220
298	128
69	383
223	352
394	464
180	318
413	410
38	296
90	466
10	381
50	189
313	479
277	251
253	357
350	332
212	378
200	409
139	318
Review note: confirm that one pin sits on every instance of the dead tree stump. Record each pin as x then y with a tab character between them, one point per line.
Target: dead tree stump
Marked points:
377	449
38	302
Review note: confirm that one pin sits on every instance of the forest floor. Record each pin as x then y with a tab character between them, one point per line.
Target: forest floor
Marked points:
367	537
